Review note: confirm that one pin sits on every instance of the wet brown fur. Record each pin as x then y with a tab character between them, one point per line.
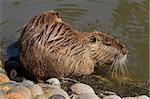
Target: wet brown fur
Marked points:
51	48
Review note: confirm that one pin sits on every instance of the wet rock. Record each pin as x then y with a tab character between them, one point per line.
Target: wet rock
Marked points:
57	97
40	97
36	90
4	78
112	97
53	90
88	96
19	92
54	82
80	88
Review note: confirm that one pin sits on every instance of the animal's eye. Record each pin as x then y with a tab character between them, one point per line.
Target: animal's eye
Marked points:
92	39
57	14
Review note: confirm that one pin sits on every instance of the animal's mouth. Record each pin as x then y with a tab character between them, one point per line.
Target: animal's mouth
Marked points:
118	66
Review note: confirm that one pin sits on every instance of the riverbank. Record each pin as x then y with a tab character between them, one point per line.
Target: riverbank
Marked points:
85	87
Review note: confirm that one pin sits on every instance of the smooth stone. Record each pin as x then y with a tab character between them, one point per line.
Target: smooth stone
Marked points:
88	96
54	82
137	97
40	97
36	90
57	97
112	97
2	94
4	78
27	83
19	91
53	90
142	97
80	88
15	96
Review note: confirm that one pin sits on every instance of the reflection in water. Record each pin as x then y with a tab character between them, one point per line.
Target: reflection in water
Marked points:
131	20
71	12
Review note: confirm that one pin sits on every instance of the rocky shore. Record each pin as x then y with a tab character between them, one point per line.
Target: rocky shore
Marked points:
55	88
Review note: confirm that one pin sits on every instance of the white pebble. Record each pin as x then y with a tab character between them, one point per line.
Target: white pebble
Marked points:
36	90
40	97
142	97
88	96
53	90
112	97
81	88
54	82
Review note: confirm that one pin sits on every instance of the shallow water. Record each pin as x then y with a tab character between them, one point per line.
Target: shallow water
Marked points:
125	19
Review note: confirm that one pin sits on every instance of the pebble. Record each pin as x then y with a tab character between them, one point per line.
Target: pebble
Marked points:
57	97
54	82
40	97
36	90
142	97
80	88
4	78
112	97
20	92
88	96
137	97
15	96
53	90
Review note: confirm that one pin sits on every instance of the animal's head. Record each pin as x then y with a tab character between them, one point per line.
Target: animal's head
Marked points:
105	49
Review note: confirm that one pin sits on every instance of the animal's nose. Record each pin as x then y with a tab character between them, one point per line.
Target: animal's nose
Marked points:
124	51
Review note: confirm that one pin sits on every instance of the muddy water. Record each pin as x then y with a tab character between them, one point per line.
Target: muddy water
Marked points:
125	19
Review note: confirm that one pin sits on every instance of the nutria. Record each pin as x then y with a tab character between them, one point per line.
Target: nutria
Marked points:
51	48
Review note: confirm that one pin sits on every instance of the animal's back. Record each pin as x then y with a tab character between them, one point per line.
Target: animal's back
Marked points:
49	48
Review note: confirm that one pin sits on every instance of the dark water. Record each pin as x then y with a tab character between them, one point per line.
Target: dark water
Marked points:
128	20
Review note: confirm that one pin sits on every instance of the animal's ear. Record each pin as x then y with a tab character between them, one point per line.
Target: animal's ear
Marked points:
92	39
